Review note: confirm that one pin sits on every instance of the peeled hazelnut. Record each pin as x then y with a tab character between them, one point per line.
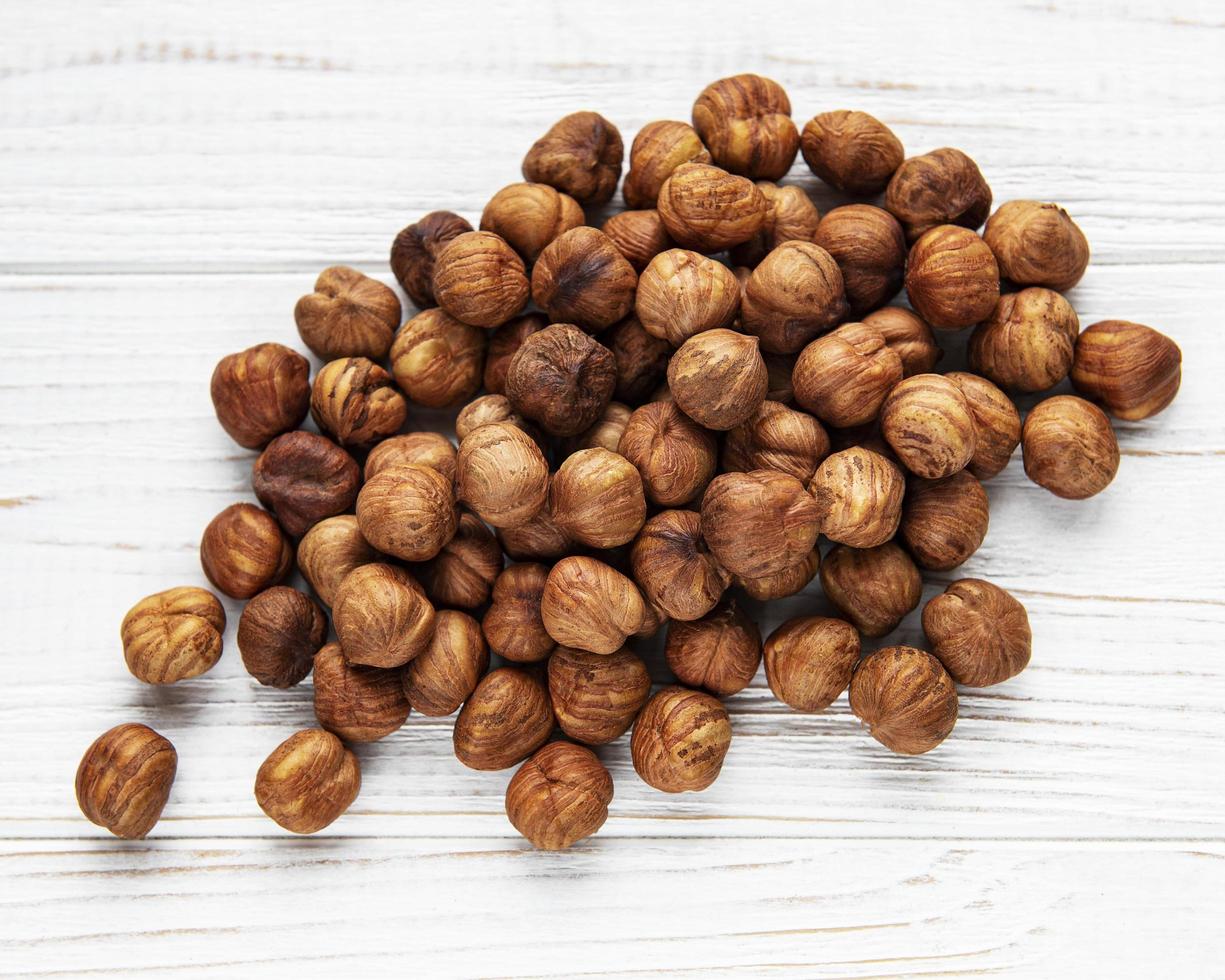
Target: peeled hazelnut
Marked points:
675	456
503	343
1037	244
359	704
415	248
682	293
463	572
260	393
1131	369
279	633
486	409
529	216
244	551
928	423
777	438
674	568
173	635
559	796
759	522
943	187
596	498
480	280
439	679
591	606
1069	447
596	697
870	248
308	781
810	660
408	511
438	361
978	631
348	315
562	379
780	584
1029	341
944	521
718	378
858	494
906	698
874	588
502	475
507	718
791	217
581	155
424	448
851	151
746	122
657	150
951	278
708	210
908	335
303	478
355	402
331	550
997	424
582	278
512	625
382	616
540	539
719	652
843	377
606	433
793	295
638	235
680	740
124	780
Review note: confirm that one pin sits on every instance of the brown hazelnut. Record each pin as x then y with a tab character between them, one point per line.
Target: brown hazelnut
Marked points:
355	402
529	216
638	235
308	781
1131	369
674	568
780	584
562	379
507	718
810	660
929	426
793	295
907	334
1037	244
718	378
260	392
331	550
503	343
682	293
490	408
582	278
415	248
124	780
512	625
1028	343
1069	447
438	361
559	796
591	606
944	521
348	315
359	704
978	631
596	697
302	478
581	155
440	678
680	740
244	551
463	572
408	511
658	149
173	635
997	424
791	217
480	280
382	616
943	187
606	433
851	151
424	448
502	475
874	588
858	494
708	209
843	377
719	652
758	523
596	498
745	120
870	248
540	539
951	278
279	633
777	438
675	456
906	698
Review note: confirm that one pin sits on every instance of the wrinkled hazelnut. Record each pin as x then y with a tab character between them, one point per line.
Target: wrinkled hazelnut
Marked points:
503	343
436	360
408	511
582	278
844	377
331	550
502	475
596	697
348	315
906	698
562	379
719	652
978	631
382	616
591	606
674	568
675	456
944	521
279	633
758	523
951	278
480	280
943	187
638	235
507	718
658	149
929	426
512	625
745	120
440	678
1069	447
1133	370
794	294
529	216
777	438
359	704
540	539
243	551
810	660
559	796
580	155
875	588
682	293
851	151
606	433
124	780
997	424
708	209
355	402
173	635
1029	341
463	572
680	740
908	335
415	248
596	498
423	448
791	217
303	478
1037	244
308	781
788	581
718	378
870	248
858	495
487	409
260	392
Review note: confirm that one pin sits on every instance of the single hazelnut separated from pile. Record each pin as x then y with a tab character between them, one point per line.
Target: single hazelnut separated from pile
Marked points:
746	122
559	796
638	235
503	343
928	423
596	498
562	379
978	631
591	606
173	635
243	551
997	424
788	581
872	587
463	572
415	248
858	496
512	625
408	511
790	217
719	652
907	334
906	698
777	438
809	661
851	151
1028	342
303	478
582	278
502	475
356	403
870	248
658	149
348	315
951	278
279	633
605	433
438	361
674	568
793	295
359	704
944	521
426	448
943	187
843	377
260	393
708	209
580	155
759	522
1131	369
675	456
596	697
718	378
1069	447
331	550
308	781
124	780
529	216
506	719
382	616
480	280
680	740
682	293
1037	244
439	679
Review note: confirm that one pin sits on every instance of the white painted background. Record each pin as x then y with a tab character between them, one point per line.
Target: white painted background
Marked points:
172	177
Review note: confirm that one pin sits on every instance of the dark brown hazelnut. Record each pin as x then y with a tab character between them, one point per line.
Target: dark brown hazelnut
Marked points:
596	498
590	605
503	343
382	616
502	475
540	539
463	572
745	121
279	633
791	217
505	719
777	438
1037	244
719	652
439	679
355	402
858	496
906	698
758	523
682	293
638	235
1069	447
944	521
408	511
438	361
487	409
997	424
480	280
851	151
124	780
359	704
529	216
870	248
423	448
708	209
562	379
512	625
674	568
929	426
978	631
906	333
1132	369
1029	341
680	740
780	584
414	250
331	550
244	551
582	278
844	377
173	635
875	588
810	660
793	295
303	478
308	781
658	149
675	456
348	315
596	697
943	187
559	796
260	392
580	155
606	433
718	378
951	278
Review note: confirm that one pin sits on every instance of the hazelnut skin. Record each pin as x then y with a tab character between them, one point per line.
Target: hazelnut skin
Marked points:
708	210
978	631
810	660
503	343
875	588
506	719
718	378
791	217
559	796
777	438
582	278
596	697
124	780
463	572
540	539
243	551
758	523
438	361
870	248
1037	244
348	315
606	433
745	120
682	293
674	568
173	635
439	679
596	498
580	155
303	478
331	550
658	149
561	378
928	424
906	698
1028	343
951	278
779	585
680	740
279	633
480	280
851	151
719	652
529	216
260	392
357	703
944	521
943	187
997	424
591	606
1069	447
844	377
355	402
415	248
908	335
793	295
490	408
308	781
502	475
424	448
675	456
858	496
408	511
638	235
382	616
1132	369
512	625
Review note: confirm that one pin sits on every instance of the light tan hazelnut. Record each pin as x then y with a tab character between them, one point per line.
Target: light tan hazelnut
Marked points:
501	475
682	293
408	511
858	495
708	210
591	606
596	498
491	408
680	740
929	426
1028	342
331	550
173	635
658	149
424	448
529	216
792	217
745	120
810	660
951	278
436	360
308	781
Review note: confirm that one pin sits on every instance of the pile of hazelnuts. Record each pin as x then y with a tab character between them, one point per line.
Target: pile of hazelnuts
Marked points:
706	384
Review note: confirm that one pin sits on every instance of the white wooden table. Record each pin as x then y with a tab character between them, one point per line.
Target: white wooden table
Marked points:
172	177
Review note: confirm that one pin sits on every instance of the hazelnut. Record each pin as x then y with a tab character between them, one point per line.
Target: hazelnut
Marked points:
1131	369
591	606
674	455
908	335
680	740
303	478
951	278
529	216
719	652
540	539
348	315
279	633
843	377
997	424
810	660
858	494
124	780
359	704
559	796
408	511
851	151
638	235
944	521
355	402
382	616
1037	244
415	248
424	448
780	584
758	523
870	248
581	155
331	550
463	572
1069	447
777	438
793	295
596	498
507	718
436	360
260	392
790	217
746	122
708	209
308	781
502	475
596	697
582	278
1028	343
244	551
490	408
480	280
718	378
943	187
173	635
906	698
503	343
512	625
978	631
928	423
440	678
606	433
874	588
658	149
562	379
682	293
674	568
